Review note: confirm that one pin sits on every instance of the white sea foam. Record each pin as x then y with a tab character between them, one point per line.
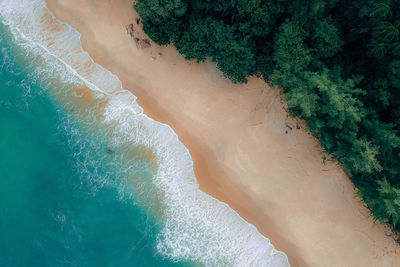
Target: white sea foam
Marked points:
197	227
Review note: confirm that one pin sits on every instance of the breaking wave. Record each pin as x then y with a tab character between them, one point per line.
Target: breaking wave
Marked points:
195	226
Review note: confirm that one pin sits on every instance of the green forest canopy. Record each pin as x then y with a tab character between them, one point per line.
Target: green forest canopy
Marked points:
338	62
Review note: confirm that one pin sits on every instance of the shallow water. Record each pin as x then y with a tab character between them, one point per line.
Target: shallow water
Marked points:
55	208
86	179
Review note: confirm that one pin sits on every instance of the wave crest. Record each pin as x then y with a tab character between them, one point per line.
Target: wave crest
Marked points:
196	227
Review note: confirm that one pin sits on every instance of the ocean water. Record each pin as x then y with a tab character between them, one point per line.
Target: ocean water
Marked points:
86	178
55	209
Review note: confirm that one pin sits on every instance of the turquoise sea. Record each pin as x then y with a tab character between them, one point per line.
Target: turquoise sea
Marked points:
52	212
86	178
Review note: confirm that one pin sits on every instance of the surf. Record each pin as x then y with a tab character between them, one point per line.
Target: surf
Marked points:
194	226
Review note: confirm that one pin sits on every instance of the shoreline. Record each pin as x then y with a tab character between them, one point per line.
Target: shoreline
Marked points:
237	138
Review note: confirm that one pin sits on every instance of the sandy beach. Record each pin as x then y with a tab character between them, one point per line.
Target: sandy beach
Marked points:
246	150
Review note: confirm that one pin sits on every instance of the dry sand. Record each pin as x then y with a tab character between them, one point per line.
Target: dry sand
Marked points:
246	150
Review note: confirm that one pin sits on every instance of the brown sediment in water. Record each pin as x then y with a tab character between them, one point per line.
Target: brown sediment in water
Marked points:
85	94
145	153
246	151
84	97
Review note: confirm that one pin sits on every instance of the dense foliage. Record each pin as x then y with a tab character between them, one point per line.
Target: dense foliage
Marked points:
338	62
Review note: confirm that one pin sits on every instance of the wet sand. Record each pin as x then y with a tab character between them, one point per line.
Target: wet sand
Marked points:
247	152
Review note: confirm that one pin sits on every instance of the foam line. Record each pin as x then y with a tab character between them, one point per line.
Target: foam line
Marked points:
197	227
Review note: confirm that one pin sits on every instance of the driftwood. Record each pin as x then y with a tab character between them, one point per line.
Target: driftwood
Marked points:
140	43
144	43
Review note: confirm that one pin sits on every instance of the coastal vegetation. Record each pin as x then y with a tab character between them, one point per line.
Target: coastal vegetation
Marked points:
338	62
